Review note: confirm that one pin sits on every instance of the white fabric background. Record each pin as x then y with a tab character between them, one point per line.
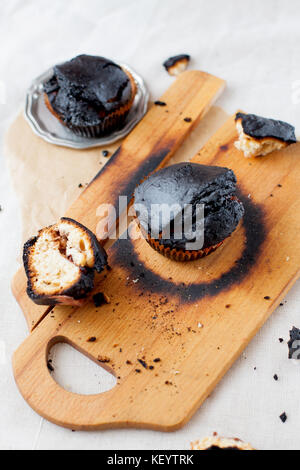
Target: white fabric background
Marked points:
253	44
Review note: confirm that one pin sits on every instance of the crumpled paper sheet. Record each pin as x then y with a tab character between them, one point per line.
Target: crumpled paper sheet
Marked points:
46	177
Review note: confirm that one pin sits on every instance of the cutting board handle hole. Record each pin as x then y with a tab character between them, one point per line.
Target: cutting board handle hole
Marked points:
75	373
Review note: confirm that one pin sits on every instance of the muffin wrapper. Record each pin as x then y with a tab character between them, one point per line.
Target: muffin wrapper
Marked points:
181	255
109	124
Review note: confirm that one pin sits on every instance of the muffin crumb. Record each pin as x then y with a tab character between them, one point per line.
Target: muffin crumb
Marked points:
160	103
283	417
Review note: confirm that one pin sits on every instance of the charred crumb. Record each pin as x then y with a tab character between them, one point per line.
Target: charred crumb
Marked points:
157	360
279	185
267	297
294	344
93	339
105	153
188	119
129	363
228	306
138	371
160	103
143	363
283	417
167	382
281	305
151	367
103	359
80	186
50	366
100	299
280	340
276	378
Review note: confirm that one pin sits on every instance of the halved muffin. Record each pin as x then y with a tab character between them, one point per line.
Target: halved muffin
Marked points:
220	443
91	95
259	136
168	208
60	263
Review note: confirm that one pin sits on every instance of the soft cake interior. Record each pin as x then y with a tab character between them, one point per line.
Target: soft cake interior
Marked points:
253	147
178	67
57	256
220	443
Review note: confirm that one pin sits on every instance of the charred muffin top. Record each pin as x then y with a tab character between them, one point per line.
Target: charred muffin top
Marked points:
87	88
216	443
60	263
177	64
260	136
190	184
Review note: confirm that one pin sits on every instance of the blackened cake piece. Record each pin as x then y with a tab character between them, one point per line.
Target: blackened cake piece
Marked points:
90	95
216	443
177	186
294	344
177	64
60	263
259	136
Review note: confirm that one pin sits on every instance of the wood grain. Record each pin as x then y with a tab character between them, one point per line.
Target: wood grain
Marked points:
149	146
196	318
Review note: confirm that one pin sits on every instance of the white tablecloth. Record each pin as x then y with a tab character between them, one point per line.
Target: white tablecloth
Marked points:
254	45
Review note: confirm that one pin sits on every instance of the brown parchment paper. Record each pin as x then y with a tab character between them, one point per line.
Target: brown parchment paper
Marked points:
46	177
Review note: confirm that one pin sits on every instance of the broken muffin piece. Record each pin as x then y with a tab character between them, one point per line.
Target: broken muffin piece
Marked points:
177	64
259	136
294	343
60	264
220	443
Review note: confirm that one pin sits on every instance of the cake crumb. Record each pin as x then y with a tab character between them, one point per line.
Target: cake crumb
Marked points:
93	339
160	103
283	417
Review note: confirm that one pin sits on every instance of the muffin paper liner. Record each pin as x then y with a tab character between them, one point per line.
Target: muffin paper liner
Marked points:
108	124
181	255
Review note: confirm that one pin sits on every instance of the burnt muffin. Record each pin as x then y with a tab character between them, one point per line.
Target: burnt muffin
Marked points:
90	95
168	209
60	264
216	443
259	136
177	64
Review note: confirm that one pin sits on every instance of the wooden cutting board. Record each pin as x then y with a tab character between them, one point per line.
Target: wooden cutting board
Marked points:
149	146
172	330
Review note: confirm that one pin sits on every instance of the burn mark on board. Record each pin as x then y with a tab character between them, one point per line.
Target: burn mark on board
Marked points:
127	186
124	254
